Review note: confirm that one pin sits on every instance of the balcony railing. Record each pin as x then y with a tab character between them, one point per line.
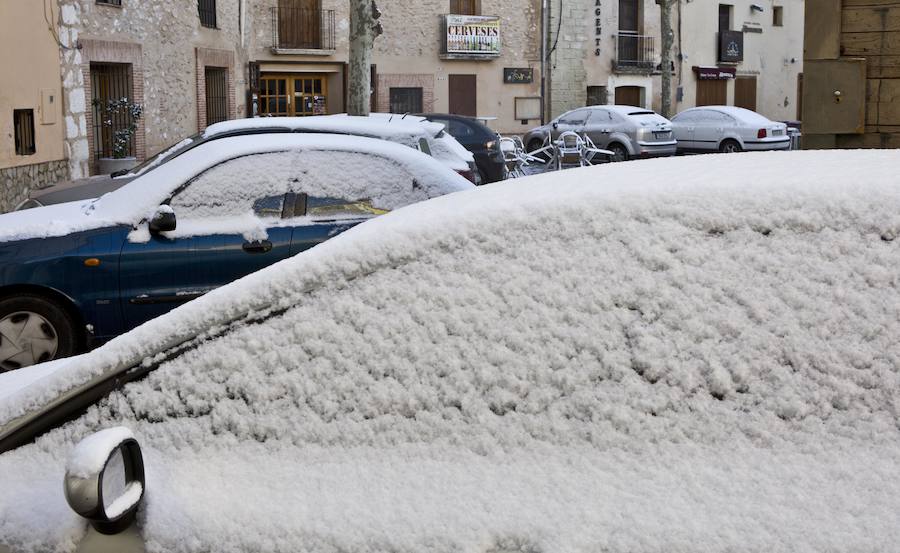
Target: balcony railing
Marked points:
302	29
635	52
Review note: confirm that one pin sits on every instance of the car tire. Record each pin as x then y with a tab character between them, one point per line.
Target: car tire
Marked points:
620	152
34	329
730	147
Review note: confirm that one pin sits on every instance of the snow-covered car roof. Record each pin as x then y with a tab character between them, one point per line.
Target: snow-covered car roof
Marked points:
139	198
741	114
407	130
589	360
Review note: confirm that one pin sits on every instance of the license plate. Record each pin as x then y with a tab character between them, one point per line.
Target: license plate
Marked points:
778	132
662	135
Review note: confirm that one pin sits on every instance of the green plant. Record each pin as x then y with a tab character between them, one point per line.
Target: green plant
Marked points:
110	111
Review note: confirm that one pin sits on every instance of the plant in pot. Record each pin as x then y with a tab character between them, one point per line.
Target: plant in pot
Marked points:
119	119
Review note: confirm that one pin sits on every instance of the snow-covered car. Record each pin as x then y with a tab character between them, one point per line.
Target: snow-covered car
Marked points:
74	275
592	361
727	129
415	132
627	131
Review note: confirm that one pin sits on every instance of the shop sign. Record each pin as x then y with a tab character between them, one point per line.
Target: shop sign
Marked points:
518	75
473	34
715	73
731	46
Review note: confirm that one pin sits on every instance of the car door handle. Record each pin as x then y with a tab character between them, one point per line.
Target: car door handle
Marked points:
257	246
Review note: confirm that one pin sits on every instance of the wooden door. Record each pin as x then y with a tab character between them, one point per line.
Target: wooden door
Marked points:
628	96
465	7
712	92
629	16
745	93
299	24
463	95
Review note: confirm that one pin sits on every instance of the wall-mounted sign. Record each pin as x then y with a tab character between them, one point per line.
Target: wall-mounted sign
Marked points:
598	26
731	46
518	75
473	34
714	73
528	108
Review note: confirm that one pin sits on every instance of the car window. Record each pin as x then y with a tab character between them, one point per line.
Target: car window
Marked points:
257	183
686	117
647	118
459	130
424	147
577	117
600	116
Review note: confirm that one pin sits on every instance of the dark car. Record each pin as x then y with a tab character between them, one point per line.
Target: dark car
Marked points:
478	139
76	274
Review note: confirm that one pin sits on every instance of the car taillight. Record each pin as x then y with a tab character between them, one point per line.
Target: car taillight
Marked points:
468	174
761	133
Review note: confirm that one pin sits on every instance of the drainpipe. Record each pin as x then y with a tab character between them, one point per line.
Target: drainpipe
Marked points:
544	26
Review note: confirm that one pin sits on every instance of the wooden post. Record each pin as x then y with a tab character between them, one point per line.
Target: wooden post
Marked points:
364	27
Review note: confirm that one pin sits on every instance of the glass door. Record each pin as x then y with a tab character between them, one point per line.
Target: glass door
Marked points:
293	95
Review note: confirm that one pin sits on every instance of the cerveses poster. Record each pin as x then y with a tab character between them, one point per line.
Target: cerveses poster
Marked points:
473	34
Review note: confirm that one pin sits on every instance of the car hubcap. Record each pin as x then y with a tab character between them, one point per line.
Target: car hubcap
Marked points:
26	338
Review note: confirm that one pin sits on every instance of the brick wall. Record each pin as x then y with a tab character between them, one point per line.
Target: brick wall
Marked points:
388	80
207	57
105	51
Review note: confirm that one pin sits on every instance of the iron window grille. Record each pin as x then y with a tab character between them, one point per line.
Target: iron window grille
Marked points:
110	2
23	121
406	100
111	82
207	9
216	95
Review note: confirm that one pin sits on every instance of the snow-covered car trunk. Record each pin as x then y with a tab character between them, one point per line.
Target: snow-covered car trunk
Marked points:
587	361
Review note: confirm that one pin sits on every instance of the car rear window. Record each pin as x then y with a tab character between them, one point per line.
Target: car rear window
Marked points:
647	117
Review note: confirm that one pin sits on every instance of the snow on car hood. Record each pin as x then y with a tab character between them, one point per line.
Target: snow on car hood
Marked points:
589	360
48	221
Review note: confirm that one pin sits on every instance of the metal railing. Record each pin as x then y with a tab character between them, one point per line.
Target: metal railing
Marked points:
302	29
635	52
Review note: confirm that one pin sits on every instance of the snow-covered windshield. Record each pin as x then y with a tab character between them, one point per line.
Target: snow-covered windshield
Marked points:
552	366
161	157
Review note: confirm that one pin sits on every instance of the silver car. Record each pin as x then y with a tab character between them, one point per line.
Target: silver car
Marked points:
627	131
727	129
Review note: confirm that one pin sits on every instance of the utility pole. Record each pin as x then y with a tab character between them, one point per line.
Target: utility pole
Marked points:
668	37
364	27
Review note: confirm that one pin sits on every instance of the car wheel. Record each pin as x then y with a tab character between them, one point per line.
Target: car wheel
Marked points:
620	153
729	147
34	329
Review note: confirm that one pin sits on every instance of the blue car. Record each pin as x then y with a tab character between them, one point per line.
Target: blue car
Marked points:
77	274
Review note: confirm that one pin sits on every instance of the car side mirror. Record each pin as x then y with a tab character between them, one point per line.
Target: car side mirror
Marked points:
555	125
104	480
163	220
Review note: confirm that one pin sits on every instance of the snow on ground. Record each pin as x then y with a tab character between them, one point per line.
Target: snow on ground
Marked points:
630	357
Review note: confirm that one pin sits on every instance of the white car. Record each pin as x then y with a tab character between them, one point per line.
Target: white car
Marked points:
727	129
597	360
414	132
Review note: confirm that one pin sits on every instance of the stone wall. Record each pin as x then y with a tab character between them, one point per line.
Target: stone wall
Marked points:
17	182
571	44
169	38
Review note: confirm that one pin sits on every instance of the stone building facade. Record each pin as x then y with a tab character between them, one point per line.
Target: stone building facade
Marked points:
156	53
32	154
303	45
764	76
608	51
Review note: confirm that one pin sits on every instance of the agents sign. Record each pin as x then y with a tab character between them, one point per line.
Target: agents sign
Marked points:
473	34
